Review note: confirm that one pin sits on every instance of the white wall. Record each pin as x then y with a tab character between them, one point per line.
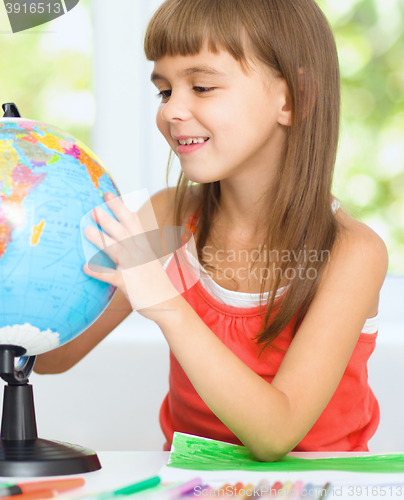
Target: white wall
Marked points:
125	135
386	367
111	399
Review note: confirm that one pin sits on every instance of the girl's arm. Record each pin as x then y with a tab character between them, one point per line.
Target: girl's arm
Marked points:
271	419
63	358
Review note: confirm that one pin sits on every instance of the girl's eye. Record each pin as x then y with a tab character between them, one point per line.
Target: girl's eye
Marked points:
201	90
165	94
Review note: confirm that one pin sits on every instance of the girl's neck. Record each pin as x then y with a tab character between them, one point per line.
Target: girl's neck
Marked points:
244	195
243	204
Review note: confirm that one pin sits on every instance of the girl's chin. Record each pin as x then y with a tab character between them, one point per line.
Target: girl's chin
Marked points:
199	179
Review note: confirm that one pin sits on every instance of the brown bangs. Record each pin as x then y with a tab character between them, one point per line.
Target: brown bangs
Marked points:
182	28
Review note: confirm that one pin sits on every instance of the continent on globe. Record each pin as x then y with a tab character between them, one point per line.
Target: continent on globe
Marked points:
49	182
36	233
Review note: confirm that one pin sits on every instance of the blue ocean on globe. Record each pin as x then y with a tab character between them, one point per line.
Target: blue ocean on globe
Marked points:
49	182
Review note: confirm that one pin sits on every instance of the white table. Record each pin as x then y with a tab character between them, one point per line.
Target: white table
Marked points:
121	469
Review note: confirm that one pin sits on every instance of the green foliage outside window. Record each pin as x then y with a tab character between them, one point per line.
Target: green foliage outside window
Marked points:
47	70
49	76
369	178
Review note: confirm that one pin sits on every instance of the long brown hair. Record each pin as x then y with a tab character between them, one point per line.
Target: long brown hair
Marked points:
294	39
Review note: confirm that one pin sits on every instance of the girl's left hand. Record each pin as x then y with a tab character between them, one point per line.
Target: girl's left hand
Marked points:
139	273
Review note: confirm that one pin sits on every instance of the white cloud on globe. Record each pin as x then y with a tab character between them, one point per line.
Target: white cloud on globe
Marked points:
30	337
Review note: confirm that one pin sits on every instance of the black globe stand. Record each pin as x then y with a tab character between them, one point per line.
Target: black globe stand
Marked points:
22	453
10	110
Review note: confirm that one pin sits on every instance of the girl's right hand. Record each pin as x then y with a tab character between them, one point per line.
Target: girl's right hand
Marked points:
139	274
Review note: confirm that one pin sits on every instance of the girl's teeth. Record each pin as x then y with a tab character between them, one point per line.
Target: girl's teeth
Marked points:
192	140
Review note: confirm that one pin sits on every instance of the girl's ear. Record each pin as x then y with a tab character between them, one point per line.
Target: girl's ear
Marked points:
285	115
308	95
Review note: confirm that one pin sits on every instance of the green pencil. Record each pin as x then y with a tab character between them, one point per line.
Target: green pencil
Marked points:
131	489
142	485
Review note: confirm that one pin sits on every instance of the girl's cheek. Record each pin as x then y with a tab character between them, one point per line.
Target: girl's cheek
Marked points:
164	128
161	124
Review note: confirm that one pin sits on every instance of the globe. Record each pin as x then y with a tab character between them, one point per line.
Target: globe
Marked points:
49	183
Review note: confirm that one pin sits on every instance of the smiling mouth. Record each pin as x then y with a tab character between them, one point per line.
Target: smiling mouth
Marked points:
188	142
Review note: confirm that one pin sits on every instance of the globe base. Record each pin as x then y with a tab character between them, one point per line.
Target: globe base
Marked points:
40	457
22	453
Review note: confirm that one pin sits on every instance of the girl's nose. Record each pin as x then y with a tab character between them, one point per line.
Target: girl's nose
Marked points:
175	109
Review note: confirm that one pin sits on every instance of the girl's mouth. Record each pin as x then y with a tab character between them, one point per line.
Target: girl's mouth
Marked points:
190	145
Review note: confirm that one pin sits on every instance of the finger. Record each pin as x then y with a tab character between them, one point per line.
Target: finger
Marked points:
104	274
130	235
129	220
129	230
125	254
98	238
107	275
109	225
103	242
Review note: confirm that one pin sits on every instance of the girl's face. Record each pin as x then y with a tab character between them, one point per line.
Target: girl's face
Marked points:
237	121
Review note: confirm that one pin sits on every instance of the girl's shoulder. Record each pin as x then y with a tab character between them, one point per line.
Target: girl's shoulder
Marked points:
354	230
358	252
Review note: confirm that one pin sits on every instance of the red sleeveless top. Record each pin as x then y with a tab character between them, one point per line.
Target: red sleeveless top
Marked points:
346	424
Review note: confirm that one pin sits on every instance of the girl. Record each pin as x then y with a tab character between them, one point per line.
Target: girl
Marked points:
269	348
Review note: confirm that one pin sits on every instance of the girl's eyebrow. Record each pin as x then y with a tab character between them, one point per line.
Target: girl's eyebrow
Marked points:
207	70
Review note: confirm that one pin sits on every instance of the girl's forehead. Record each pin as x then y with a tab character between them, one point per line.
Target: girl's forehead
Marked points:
205	54
220	64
